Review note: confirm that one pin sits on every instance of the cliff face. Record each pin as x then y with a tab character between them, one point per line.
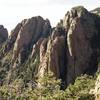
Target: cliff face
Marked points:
68	50
81	32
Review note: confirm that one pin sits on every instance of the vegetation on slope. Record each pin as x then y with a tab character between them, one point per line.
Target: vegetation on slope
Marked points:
24	85
49	89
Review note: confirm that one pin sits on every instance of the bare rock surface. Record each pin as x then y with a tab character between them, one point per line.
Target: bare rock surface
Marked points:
3	34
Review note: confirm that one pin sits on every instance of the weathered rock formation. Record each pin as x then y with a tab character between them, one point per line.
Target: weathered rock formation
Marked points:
70	49
30	32
53	54
3	34
27	33
81	31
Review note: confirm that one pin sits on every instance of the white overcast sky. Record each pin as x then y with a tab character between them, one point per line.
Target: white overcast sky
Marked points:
13	11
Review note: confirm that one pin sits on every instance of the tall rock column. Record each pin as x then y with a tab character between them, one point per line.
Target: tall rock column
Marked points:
80	53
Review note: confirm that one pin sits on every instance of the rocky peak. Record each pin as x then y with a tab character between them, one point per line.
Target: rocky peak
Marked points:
29	31
78	11
75	12
96	11
3	34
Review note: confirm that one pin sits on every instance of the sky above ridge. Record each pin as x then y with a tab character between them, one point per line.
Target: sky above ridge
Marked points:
13	11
